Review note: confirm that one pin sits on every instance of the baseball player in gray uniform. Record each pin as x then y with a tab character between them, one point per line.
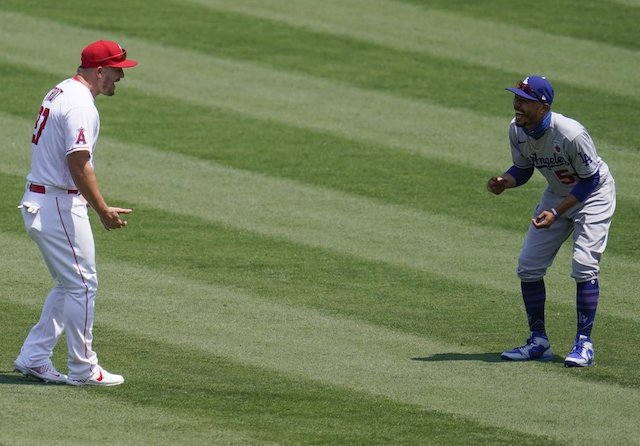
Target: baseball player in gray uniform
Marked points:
578	202
60	186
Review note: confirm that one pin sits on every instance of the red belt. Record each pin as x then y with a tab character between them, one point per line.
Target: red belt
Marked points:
39	189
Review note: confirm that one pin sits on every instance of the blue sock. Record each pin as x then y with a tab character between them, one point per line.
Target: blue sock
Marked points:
534	295
586	304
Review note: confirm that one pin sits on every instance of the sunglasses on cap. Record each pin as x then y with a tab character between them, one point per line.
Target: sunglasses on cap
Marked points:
530	91
115	58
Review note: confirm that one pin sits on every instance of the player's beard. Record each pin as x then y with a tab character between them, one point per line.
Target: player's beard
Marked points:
111	77
109	90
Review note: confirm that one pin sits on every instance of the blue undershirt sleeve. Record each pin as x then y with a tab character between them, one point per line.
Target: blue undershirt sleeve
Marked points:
585	186
521	175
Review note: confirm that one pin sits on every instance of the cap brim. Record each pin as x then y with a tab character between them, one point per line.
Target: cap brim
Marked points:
127	63
522	94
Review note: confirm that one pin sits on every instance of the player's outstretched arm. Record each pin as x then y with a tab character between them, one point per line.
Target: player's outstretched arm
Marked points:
85	180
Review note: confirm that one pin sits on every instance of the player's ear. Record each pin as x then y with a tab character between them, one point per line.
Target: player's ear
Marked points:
544	108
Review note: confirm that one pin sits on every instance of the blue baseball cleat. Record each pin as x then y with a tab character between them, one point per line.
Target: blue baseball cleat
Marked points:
537	348
581	355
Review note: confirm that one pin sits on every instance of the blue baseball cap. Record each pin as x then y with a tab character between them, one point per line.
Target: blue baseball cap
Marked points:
534	88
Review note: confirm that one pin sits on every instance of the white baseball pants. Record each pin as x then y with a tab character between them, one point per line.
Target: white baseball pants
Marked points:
59	224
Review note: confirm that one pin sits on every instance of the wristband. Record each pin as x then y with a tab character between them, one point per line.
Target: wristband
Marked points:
554	212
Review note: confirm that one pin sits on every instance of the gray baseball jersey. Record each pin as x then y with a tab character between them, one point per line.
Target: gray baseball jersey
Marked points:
564	154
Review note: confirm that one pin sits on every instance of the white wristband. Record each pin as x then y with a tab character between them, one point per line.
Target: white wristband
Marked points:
554	212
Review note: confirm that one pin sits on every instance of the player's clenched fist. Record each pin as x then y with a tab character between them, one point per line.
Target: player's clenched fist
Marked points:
496	185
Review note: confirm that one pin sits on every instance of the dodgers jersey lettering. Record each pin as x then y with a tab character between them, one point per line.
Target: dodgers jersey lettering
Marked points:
68	121
564	154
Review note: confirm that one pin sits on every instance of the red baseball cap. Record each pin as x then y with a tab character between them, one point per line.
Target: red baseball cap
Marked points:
106	53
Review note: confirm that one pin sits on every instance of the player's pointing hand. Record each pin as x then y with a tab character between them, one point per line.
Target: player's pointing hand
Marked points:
111	218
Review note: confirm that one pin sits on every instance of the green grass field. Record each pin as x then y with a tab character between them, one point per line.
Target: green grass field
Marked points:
313	258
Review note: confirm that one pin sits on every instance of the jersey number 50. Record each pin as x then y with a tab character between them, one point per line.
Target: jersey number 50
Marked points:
40	123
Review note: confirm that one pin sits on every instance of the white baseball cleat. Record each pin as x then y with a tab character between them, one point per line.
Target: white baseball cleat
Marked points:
99	378
46	372
581	355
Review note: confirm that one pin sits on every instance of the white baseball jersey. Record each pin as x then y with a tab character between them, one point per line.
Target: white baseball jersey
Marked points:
564	154
59	224
72	123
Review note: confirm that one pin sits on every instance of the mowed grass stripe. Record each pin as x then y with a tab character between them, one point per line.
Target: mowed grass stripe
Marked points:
485	43
249	89
205	399
31	422
303	214
407	300
277	97
304	155
221	255
367	116
632	3
274	95
268	94
35	413
567	18
337	351
562	292
174	278
440	80
376	292
322	158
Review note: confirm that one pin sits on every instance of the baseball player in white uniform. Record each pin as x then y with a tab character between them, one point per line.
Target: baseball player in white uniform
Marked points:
60	186
579	201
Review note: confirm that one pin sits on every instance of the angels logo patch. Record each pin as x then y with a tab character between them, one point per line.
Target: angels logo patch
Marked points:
80	139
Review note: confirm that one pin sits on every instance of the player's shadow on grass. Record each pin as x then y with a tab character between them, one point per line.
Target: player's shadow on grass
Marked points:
14	378
483	357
